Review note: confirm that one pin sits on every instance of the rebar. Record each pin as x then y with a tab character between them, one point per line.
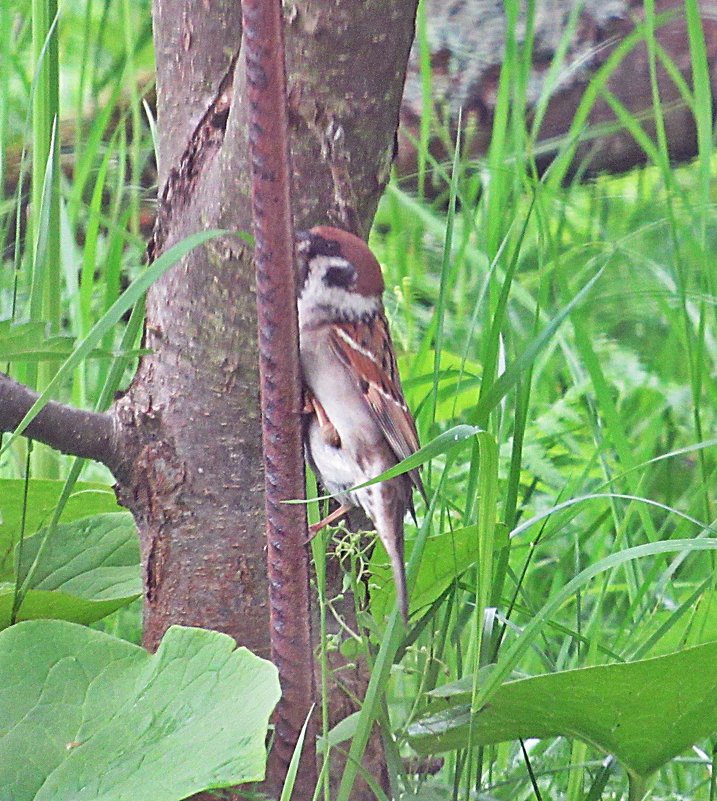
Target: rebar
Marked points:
281	400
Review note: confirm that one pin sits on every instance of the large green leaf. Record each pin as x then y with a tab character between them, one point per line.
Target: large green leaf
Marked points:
82	572
87	717
645	712
43	494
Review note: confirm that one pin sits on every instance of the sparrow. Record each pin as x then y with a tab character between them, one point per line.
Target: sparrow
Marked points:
357	423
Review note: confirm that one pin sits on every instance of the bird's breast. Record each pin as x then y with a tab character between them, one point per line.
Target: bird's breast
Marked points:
337	391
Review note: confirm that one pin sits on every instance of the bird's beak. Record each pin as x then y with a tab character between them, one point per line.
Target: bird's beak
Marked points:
303	243
303	239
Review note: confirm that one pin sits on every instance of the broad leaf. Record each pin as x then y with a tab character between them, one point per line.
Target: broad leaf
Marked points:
84	571
88	717
645	712
43	494
445	557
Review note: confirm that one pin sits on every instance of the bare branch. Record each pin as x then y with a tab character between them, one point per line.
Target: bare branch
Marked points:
86	434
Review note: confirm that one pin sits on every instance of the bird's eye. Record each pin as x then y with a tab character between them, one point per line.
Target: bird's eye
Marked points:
318	246
342	276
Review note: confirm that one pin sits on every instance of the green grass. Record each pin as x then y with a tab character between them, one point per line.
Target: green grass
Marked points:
615	394
574	323
82	239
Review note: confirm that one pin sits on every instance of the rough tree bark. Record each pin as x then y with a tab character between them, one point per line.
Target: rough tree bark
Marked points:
183	442
466	42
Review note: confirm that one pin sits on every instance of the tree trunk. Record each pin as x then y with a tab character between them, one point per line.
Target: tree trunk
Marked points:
193	408
195	487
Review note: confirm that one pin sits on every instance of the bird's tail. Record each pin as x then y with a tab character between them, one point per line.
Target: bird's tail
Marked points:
394	547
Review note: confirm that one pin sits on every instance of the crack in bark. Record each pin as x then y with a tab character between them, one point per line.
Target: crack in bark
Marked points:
158	555
203	145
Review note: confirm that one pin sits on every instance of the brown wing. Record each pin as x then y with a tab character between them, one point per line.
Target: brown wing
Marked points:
367	352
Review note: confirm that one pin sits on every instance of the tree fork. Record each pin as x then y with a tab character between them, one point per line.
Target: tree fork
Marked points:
91	435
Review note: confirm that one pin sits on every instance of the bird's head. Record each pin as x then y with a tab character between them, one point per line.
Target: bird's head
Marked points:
339	278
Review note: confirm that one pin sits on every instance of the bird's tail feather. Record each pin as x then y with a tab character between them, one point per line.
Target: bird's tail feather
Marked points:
394	547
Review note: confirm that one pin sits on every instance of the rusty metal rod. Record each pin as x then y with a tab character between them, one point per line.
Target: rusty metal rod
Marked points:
288	560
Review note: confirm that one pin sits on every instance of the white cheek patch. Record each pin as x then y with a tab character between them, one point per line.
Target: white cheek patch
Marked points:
322	303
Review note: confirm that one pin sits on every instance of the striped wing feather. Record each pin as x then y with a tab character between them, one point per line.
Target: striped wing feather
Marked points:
367	353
